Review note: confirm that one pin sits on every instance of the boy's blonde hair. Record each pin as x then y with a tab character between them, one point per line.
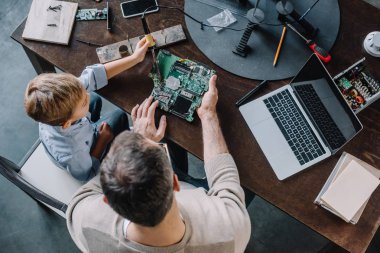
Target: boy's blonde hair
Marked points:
52	98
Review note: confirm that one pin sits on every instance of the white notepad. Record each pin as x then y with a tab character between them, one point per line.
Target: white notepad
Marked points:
50	25
349	192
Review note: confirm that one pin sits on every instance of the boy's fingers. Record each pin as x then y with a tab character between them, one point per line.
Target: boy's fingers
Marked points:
146	106
145	45
141	42
102	125
161	128
152	109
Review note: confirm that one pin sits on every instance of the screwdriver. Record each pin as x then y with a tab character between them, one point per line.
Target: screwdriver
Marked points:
152	44
320	52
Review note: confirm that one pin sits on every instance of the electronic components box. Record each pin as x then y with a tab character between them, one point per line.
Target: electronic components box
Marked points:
358	86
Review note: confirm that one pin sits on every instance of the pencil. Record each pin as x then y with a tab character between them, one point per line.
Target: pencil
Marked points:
89	43
279	46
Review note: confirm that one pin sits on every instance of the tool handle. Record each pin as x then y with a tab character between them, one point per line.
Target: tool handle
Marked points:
145	26
320	52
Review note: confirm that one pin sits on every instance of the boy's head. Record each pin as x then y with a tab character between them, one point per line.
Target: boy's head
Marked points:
56	99
137	179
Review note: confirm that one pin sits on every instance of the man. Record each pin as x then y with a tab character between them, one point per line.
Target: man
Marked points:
140	207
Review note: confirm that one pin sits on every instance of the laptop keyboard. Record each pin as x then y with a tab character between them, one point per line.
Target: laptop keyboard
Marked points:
321	116
294	127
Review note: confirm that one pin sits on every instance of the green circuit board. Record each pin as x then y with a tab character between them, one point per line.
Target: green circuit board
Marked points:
182	85
91	14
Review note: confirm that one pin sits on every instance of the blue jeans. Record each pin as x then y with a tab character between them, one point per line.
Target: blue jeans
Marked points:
117	119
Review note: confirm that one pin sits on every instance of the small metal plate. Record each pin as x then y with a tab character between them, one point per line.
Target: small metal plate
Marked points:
124	48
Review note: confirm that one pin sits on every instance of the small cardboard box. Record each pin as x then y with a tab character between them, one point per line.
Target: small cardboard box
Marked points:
358	86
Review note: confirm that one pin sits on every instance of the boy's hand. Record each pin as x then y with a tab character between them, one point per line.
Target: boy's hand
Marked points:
143	120
210	98
140	50
105	137
105	133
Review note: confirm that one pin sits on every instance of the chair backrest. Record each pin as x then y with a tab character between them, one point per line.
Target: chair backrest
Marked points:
42	179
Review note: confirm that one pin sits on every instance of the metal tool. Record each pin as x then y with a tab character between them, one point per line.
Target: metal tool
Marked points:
149	37
109	22
89	43
320	52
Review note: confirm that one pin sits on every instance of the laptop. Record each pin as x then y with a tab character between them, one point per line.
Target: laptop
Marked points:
302	123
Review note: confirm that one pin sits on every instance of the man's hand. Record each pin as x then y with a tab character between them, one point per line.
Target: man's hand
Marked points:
143	120
210	98
140	50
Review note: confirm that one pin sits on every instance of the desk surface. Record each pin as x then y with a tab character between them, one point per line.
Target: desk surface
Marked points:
295	195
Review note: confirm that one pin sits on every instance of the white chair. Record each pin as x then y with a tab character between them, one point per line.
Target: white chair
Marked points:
39	177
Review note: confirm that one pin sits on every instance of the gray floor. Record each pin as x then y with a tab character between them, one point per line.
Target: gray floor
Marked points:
26	226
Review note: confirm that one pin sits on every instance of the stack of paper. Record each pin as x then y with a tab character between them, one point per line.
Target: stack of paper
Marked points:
349	188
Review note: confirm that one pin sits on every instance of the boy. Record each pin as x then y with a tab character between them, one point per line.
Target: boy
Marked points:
60	103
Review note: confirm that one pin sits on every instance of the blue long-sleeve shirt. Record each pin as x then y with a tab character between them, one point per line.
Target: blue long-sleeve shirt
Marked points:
71	147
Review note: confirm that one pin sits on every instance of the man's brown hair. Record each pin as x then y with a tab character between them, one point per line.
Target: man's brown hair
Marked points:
137	179
52	98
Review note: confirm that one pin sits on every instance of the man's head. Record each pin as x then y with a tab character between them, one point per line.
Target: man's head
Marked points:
137	179
56	99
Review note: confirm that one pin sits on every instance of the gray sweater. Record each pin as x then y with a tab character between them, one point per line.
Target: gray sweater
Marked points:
216	221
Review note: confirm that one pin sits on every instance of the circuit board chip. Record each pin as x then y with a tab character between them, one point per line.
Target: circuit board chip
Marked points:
182	86
181	105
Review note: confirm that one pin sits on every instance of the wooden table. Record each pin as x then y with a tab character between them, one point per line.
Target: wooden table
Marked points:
295	195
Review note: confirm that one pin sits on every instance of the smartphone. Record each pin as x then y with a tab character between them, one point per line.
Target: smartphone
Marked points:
134	8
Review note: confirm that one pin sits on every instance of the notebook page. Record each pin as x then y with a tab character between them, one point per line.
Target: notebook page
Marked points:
349	192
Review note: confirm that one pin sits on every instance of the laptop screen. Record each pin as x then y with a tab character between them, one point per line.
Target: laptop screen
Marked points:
324	104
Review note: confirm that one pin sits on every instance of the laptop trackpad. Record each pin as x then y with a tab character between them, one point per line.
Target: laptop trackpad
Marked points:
255	112
276	148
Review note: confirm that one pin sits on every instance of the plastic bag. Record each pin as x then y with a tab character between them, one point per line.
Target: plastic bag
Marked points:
223	19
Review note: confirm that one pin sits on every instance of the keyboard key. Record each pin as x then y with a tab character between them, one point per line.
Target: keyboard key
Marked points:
293	126
271	101
320	115
304	157
282	129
